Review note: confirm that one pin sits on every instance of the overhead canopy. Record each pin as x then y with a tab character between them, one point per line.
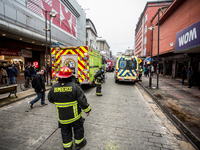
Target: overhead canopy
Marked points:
149	59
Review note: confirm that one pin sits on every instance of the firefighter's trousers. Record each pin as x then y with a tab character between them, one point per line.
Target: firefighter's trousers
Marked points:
66	132
98	87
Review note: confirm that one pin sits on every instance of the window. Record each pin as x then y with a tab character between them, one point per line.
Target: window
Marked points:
145	29
129	65
145	19
145	40
144	51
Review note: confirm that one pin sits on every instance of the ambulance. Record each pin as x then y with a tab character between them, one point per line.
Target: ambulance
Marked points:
84	59
126	69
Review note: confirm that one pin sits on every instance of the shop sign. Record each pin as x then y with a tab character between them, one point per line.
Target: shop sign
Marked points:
188	38
36	64
27	54
10	52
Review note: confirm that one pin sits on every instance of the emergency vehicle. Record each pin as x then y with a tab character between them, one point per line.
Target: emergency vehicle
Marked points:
84	59
126	68
110	63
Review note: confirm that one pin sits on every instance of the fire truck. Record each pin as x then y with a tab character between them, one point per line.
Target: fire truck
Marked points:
84	59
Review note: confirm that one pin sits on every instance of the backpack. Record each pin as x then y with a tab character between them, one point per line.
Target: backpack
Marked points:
33	82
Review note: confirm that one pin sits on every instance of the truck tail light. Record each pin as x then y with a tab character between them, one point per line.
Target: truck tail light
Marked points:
116	71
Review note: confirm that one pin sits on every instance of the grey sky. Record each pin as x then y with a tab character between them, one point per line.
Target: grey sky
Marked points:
114	20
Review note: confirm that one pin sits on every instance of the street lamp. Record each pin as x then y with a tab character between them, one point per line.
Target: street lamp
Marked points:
46	41
158	48
150	77
50	15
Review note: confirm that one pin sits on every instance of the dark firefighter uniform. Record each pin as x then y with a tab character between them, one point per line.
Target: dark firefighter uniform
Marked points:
98	78
69	100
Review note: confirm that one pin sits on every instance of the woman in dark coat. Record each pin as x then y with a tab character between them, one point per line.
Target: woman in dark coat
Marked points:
183	75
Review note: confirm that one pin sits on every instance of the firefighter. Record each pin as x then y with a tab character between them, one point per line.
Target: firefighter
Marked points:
98	77
69	100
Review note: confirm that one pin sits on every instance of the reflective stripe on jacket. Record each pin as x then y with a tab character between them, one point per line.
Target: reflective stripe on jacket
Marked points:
68	99
140	71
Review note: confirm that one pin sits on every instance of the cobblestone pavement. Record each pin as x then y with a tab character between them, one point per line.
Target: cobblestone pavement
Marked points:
122	119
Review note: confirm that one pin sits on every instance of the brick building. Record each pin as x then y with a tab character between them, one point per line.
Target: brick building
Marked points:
179	38
142	35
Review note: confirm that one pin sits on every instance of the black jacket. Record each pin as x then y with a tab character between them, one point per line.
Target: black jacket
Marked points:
39	83
69	99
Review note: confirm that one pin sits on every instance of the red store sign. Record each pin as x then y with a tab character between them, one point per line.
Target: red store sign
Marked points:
64	18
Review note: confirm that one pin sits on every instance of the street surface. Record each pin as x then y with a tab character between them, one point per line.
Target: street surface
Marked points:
124	118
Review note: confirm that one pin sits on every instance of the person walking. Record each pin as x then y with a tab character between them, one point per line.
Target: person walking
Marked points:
45	73
98	77
39	86
190	77
183	75
140	73
152	70
27	75
74	76
145	72
11	75
3	75
69	100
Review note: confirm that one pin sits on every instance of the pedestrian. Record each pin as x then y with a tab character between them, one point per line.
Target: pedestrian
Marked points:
109	70
39	86
190	77
140	73
69	100
183	75
98	77
152	70
3	75
145	72
45	73
15	68
27	76
34	72
74	76
11	75
199	79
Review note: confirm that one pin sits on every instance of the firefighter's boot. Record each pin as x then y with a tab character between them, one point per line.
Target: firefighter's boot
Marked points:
82	144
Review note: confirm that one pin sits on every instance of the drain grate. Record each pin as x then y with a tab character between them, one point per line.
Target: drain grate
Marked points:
179	137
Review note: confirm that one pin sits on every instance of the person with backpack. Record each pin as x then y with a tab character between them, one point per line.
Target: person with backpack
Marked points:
39	86
11	75
27	76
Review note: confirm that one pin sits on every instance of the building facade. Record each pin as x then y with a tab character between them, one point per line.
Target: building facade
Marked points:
91	34
103	47
142	35
24	24
179	38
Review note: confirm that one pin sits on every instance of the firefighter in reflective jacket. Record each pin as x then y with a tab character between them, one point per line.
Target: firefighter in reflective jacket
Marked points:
69	99
98	77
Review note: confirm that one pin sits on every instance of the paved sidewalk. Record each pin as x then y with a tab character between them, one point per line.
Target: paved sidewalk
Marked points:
180	100
5	100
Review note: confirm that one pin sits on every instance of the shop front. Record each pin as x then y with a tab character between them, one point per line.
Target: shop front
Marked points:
188	42
19	57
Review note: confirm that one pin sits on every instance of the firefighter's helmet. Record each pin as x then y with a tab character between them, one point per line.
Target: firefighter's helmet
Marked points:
65	72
